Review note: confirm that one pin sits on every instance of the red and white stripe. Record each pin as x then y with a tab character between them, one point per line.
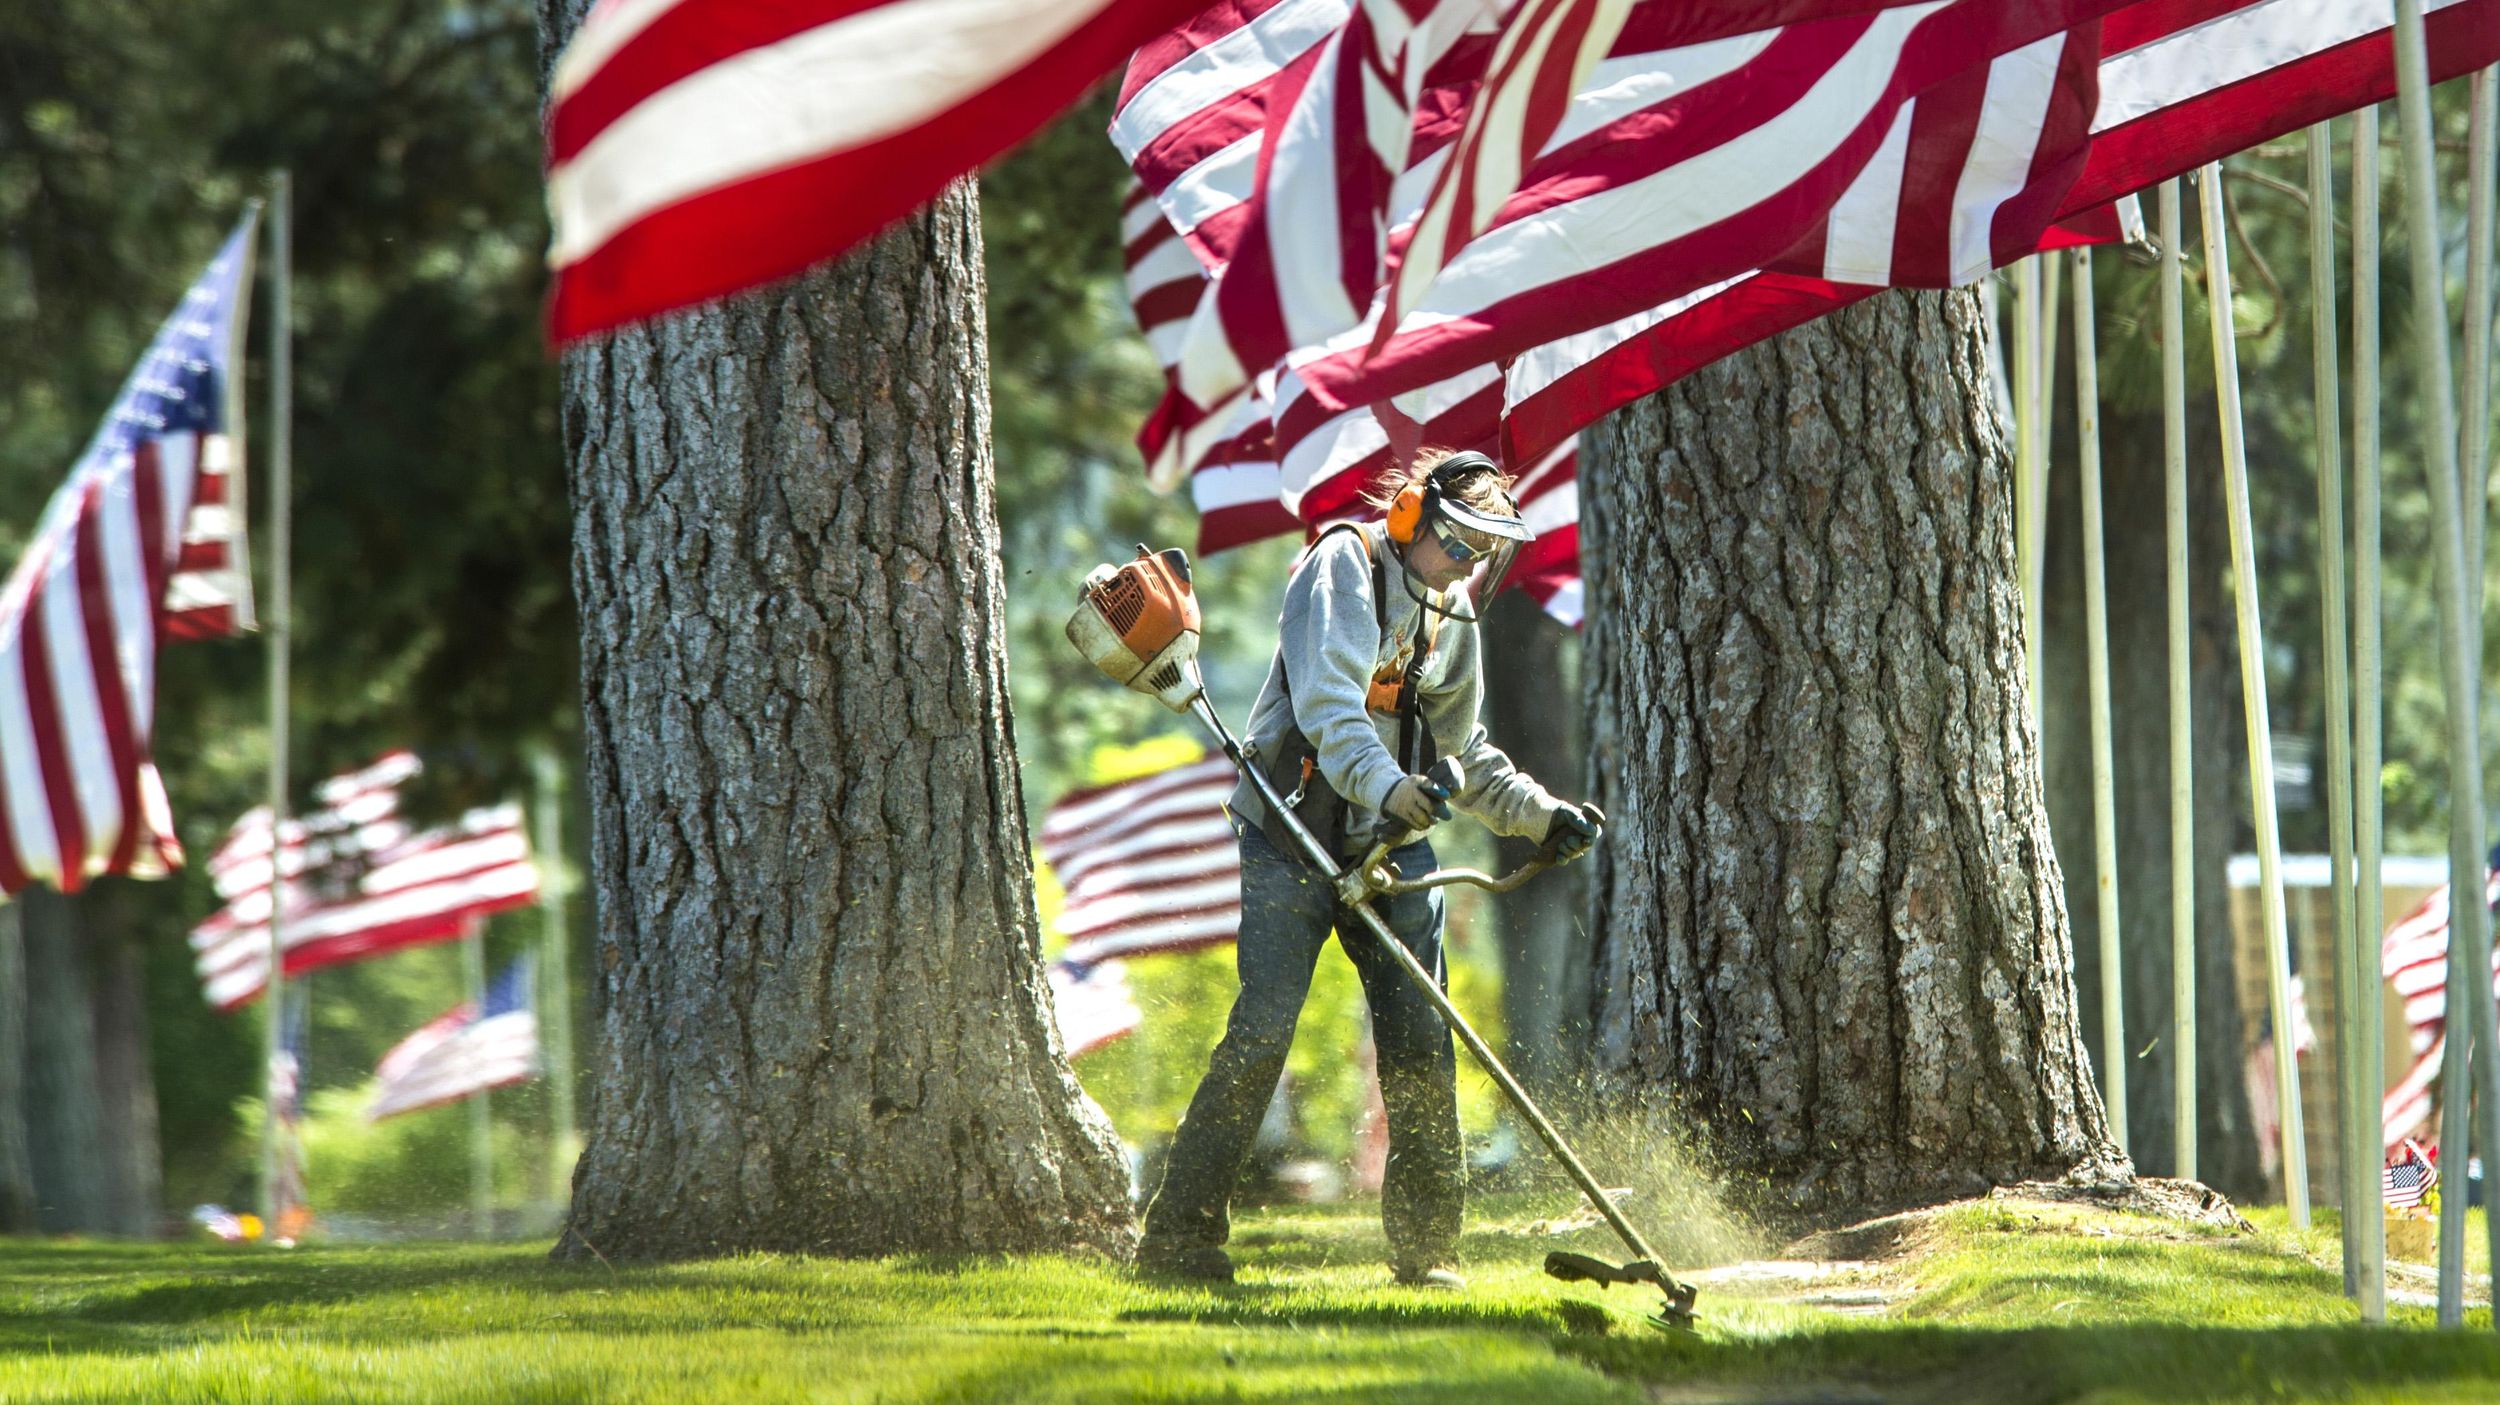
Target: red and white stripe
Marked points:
1147	864
357	881
1093	1004
1545	53
209	595
699	147
1924	144
2413	958
456	1055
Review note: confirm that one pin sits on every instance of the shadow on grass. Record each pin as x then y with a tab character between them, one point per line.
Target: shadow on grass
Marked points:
2038	1365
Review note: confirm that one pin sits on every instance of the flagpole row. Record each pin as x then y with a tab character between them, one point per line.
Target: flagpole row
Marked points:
2182	749
2469	925
2295	1155
279	622
2367	745
2096	647
2356	1110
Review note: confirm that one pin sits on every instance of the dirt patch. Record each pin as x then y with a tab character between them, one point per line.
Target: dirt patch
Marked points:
1895	1236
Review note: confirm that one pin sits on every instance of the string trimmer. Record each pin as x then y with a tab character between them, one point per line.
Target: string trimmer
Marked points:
1138	623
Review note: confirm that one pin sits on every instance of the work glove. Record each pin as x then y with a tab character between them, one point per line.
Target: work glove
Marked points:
1573	831
1417	802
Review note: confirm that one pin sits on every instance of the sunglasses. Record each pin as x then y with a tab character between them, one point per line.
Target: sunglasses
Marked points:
1460	547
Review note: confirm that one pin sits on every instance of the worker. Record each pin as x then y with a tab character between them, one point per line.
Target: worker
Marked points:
1376	675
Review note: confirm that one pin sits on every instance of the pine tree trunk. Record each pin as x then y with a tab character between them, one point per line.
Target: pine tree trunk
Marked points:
64	1132
17	1176
125	1084
822	1023
1535	717
1833	935
2134	544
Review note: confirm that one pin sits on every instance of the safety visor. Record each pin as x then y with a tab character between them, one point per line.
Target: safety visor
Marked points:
1481	532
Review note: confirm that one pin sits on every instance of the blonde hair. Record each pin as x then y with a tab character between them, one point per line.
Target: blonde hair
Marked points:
1486	491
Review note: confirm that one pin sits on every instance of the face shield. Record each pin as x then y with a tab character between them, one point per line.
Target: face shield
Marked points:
1486	543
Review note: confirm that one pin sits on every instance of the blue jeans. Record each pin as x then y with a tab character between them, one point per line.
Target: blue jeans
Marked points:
1287	912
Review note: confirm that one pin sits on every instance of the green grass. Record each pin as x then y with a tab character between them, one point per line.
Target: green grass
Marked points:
1996	1303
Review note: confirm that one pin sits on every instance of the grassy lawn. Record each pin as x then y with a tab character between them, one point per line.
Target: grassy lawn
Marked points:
2012	1301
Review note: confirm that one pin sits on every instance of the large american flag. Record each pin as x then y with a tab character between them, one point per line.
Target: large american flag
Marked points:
1514	340
1147	864
470	1048
1093	1004
358	880
2413	957
143	543
697	147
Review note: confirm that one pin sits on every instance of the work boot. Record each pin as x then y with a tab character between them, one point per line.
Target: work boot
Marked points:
1437	1276
1164	1258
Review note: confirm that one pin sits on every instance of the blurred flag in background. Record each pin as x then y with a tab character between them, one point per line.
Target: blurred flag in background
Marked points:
470	1048
358	880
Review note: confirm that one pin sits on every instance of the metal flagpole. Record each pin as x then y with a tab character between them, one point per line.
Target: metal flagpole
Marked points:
2052	308
555	1000
2356	1108
2295	1155
279	623
2029	476
2469	924
2096	647
2366	723
2182	749
2475	404
481	1113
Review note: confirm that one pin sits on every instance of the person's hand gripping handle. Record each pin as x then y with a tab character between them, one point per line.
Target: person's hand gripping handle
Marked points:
1420	802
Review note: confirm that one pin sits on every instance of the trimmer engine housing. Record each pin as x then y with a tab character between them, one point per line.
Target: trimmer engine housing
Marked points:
1138	623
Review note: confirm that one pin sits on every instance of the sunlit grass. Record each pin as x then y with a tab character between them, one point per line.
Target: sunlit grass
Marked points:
2006	1301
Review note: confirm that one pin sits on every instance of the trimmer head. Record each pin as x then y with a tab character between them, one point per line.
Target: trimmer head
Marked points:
1138	623
1675	1314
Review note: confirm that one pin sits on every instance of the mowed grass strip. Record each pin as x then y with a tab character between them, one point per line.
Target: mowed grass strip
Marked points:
2000	1302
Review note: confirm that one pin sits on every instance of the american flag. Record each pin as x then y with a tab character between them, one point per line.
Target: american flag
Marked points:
470	1048
697	147
1093	1004
358	880
2407	1177
1946	192
143	543
2413	958
1148	864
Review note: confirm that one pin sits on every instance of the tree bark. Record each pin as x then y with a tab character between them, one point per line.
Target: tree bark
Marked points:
1532	707
64	1131
1833	934
822	1019
2138	573
133	1166
17	1176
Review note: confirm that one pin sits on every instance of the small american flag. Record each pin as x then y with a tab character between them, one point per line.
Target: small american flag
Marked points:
1093	1004
143	543
1148	864
359	880
2408	1176
470	1048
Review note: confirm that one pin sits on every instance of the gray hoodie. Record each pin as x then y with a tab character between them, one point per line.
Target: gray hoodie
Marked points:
1329	641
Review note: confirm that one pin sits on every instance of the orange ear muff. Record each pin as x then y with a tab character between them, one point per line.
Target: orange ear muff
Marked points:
1406	514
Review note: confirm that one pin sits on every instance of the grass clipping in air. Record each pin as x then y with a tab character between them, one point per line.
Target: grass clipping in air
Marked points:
2003	1300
